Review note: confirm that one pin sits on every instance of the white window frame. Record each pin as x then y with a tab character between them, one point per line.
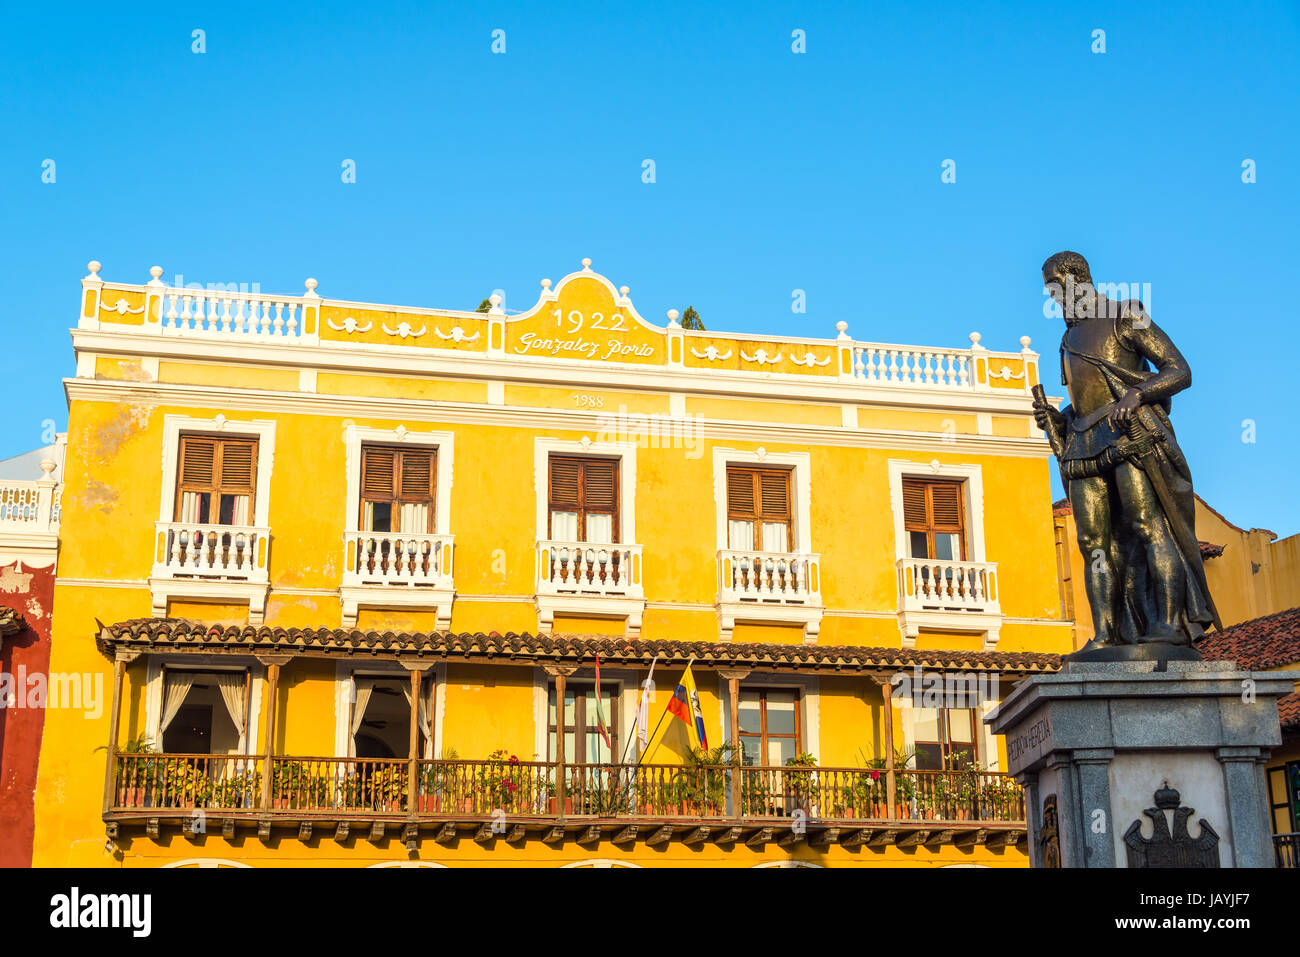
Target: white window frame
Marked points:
344	674
153	693
625	452
989	622
355	436
800	488
261	429
631	608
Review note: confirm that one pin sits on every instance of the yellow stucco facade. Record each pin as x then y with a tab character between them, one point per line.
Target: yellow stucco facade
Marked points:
496	397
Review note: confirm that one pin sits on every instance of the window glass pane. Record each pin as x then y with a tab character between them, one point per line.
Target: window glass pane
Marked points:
959	725
917	547
233	510
926	724
550	707
570	710
774	537
564	526
570	753
780	712
779	751
740	534
947	547
749	751
378	517
600	528
929	757
748	712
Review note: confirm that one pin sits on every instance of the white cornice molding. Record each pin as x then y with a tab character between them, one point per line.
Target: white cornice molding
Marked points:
471	413
382	359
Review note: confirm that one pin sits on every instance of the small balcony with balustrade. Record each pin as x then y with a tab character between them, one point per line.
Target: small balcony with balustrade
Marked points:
406	570
765	587
948	596
211	562
589	580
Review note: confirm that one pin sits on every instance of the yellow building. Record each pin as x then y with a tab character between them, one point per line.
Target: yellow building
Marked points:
345	558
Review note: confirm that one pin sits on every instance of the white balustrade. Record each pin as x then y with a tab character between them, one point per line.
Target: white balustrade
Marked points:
586	568
928	584
199	550
223	313
398	559
912	367
752	576
30	507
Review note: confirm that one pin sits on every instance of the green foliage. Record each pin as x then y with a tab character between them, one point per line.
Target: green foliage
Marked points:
691	320
484	306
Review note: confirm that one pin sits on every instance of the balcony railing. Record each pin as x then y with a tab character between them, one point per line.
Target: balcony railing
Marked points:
218	552
479	789
30	507
584	568
769	577
398	558
927	584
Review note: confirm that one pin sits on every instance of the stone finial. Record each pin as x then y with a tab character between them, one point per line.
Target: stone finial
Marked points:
842	328
94	266
586	265
975	338
311	288
546	284
48	466
156	272
623	291
1024	343
672	319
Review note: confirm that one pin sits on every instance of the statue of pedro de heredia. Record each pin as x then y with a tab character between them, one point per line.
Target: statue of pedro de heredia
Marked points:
1126	478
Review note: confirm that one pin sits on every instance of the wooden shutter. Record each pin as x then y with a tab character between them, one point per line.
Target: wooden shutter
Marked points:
934	506
584	485
760	496
216	466
399	477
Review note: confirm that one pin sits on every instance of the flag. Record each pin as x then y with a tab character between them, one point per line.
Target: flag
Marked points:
600	710
643	707
685	704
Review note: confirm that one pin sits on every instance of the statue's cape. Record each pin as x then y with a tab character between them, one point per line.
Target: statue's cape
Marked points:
1168	458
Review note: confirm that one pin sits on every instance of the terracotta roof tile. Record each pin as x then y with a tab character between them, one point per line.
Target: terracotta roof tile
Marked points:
159	634
1267	642
1288	711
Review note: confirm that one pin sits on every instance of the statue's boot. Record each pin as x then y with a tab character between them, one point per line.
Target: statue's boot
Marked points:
1100	642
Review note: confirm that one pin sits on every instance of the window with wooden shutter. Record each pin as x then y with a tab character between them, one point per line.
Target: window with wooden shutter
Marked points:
582	499
759	515
934	519
216	480
398	489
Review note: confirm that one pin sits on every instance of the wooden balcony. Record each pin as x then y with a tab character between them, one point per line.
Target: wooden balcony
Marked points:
514	800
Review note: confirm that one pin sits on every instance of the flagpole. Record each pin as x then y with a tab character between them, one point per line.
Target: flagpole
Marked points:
664	715
637	723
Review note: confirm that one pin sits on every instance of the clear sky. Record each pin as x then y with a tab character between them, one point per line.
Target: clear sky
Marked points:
774	171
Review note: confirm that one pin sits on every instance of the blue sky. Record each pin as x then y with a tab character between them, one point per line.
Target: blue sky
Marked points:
775	171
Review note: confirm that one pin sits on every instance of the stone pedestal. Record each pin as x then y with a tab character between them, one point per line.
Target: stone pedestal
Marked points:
1095	742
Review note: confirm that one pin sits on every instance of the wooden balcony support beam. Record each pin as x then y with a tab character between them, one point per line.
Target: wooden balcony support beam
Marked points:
228	828
823	836
627	835
940	837
884	838
791	837
341	831
970	838
304	831
760	837
264	829
661	836
857	838
517	834
554	836
411	837
590	836
446	834
376	832
913	838
697	835
729	835
484	834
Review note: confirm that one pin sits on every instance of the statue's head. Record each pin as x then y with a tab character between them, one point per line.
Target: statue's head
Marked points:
1069	281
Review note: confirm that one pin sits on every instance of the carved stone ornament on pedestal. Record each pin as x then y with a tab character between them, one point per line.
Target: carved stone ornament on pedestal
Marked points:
1166	848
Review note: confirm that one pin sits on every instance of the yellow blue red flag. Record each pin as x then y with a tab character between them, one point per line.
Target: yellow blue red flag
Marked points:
685	704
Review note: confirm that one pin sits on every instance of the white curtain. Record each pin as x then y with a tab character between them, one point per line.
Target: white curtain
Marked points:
564	526
774	537
176	686
361	689
740	534
231	685
240	511
189	506
600	529
415	518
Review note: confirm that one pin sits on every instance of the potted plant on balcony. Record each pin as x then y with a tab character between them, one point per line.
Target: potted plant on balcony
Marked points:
800	785
701	783
291	785
499	780
138	777
1000	798
872	789
240	790
389	789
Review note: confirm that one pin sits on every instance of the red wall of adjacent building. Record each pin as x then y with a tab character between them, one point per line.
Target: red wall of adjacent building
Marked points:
31	592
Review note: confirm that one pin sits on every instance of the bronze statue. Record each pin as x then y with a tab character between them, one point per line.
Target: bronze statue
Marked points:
1126	478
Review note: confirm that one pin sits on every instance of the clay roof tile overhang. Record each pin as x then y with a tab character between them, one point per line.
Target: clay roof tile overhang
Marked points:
156	635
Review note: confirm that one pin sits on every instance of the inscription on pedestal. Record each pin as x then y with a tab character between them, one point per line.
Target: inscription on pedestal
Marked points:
1029	743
